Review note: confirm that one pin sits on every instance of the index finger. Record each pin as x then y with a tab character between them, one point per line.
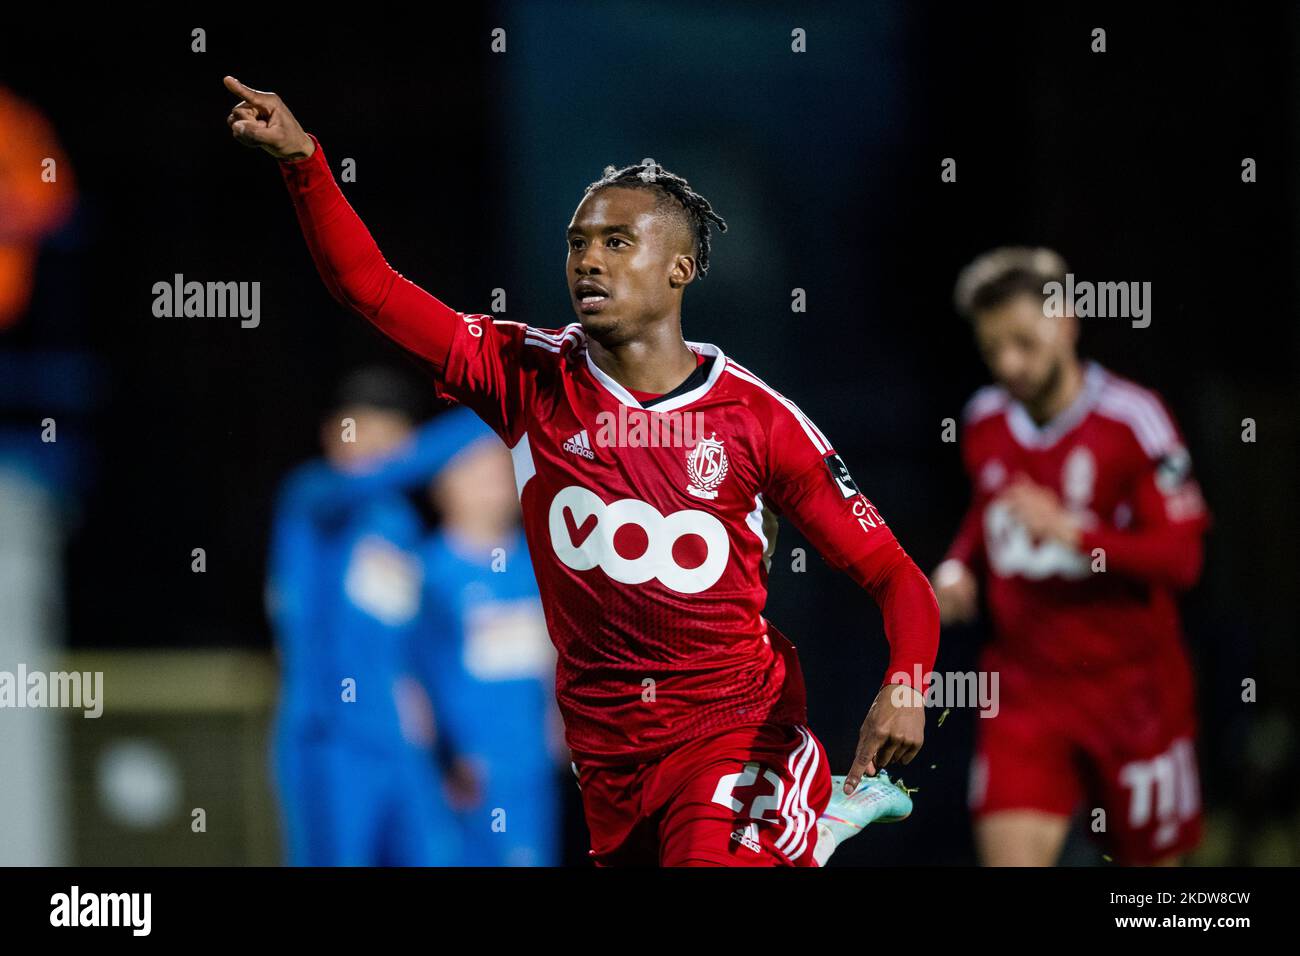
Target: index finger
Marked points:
864	760
256	97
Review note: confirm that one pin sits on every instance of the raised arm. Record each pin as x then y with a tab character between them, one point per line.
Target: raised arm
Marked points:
325	492
346	255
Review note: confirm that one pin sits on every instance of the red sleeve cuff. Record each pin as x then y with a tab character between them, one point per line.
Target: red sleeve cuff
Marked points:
909	609
908	679
303	174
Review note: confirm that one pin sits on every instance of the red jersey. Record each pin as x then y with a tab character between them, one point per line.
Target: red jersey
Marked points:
1117	460
644	525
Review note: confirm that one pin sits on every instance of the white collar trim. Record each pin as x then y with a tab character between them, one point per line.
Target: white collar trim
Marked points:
677	401
1030	435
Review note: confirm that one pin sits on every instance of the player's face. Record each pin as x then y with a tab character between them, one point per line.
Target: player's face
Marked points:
481	480
375	433
1023	348
625	265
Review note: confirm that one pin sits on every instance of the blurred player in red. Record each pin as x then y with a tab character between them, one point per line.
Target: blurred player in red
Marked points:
645	465
1085	521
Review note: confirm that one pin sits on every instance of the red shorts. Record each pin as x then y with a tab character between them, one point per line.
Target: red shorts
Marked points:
1122	747
744	797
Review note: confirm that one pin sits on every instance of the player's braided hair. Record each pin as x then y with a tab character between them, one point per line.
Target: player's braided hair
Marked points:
670	189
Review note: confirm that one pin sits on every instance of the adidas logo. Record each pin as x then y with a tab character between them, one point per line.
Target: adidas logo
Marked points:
747	836
579	445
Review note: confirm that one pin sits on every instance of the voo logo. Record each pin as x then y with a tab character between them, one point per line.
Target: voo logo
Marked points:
651	546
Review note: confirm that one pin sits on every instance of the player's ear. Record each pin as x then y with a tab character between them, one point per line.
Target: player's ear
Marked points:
683	272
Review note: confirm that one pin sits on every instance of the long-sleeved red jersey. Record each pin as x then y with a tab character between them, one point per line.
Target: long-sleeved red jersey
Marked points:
1117	460
644	524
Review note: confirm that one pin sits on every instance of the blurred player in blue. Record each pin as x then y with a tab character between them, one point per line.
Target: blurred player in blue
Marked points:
491	666
356	775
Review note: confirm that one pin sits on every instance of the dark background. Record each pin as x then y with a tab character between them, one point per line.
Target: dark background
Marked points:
826	166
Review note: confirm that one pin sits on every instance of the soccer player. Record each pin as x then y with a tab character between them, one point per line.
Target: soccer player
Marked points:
684	708
354	770
1085	521
490	665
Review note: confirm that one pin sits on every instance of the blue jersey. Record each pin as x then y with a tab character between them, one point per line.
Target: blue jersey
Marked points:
344	588
487	656
491	668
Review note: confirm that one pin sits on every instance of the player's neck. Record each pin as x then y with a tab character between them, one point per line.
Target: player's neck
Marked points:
1062	396
656	361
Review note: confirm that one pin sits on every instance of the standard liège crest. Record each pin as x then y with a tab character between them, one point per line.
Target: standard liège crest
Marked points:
706	466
